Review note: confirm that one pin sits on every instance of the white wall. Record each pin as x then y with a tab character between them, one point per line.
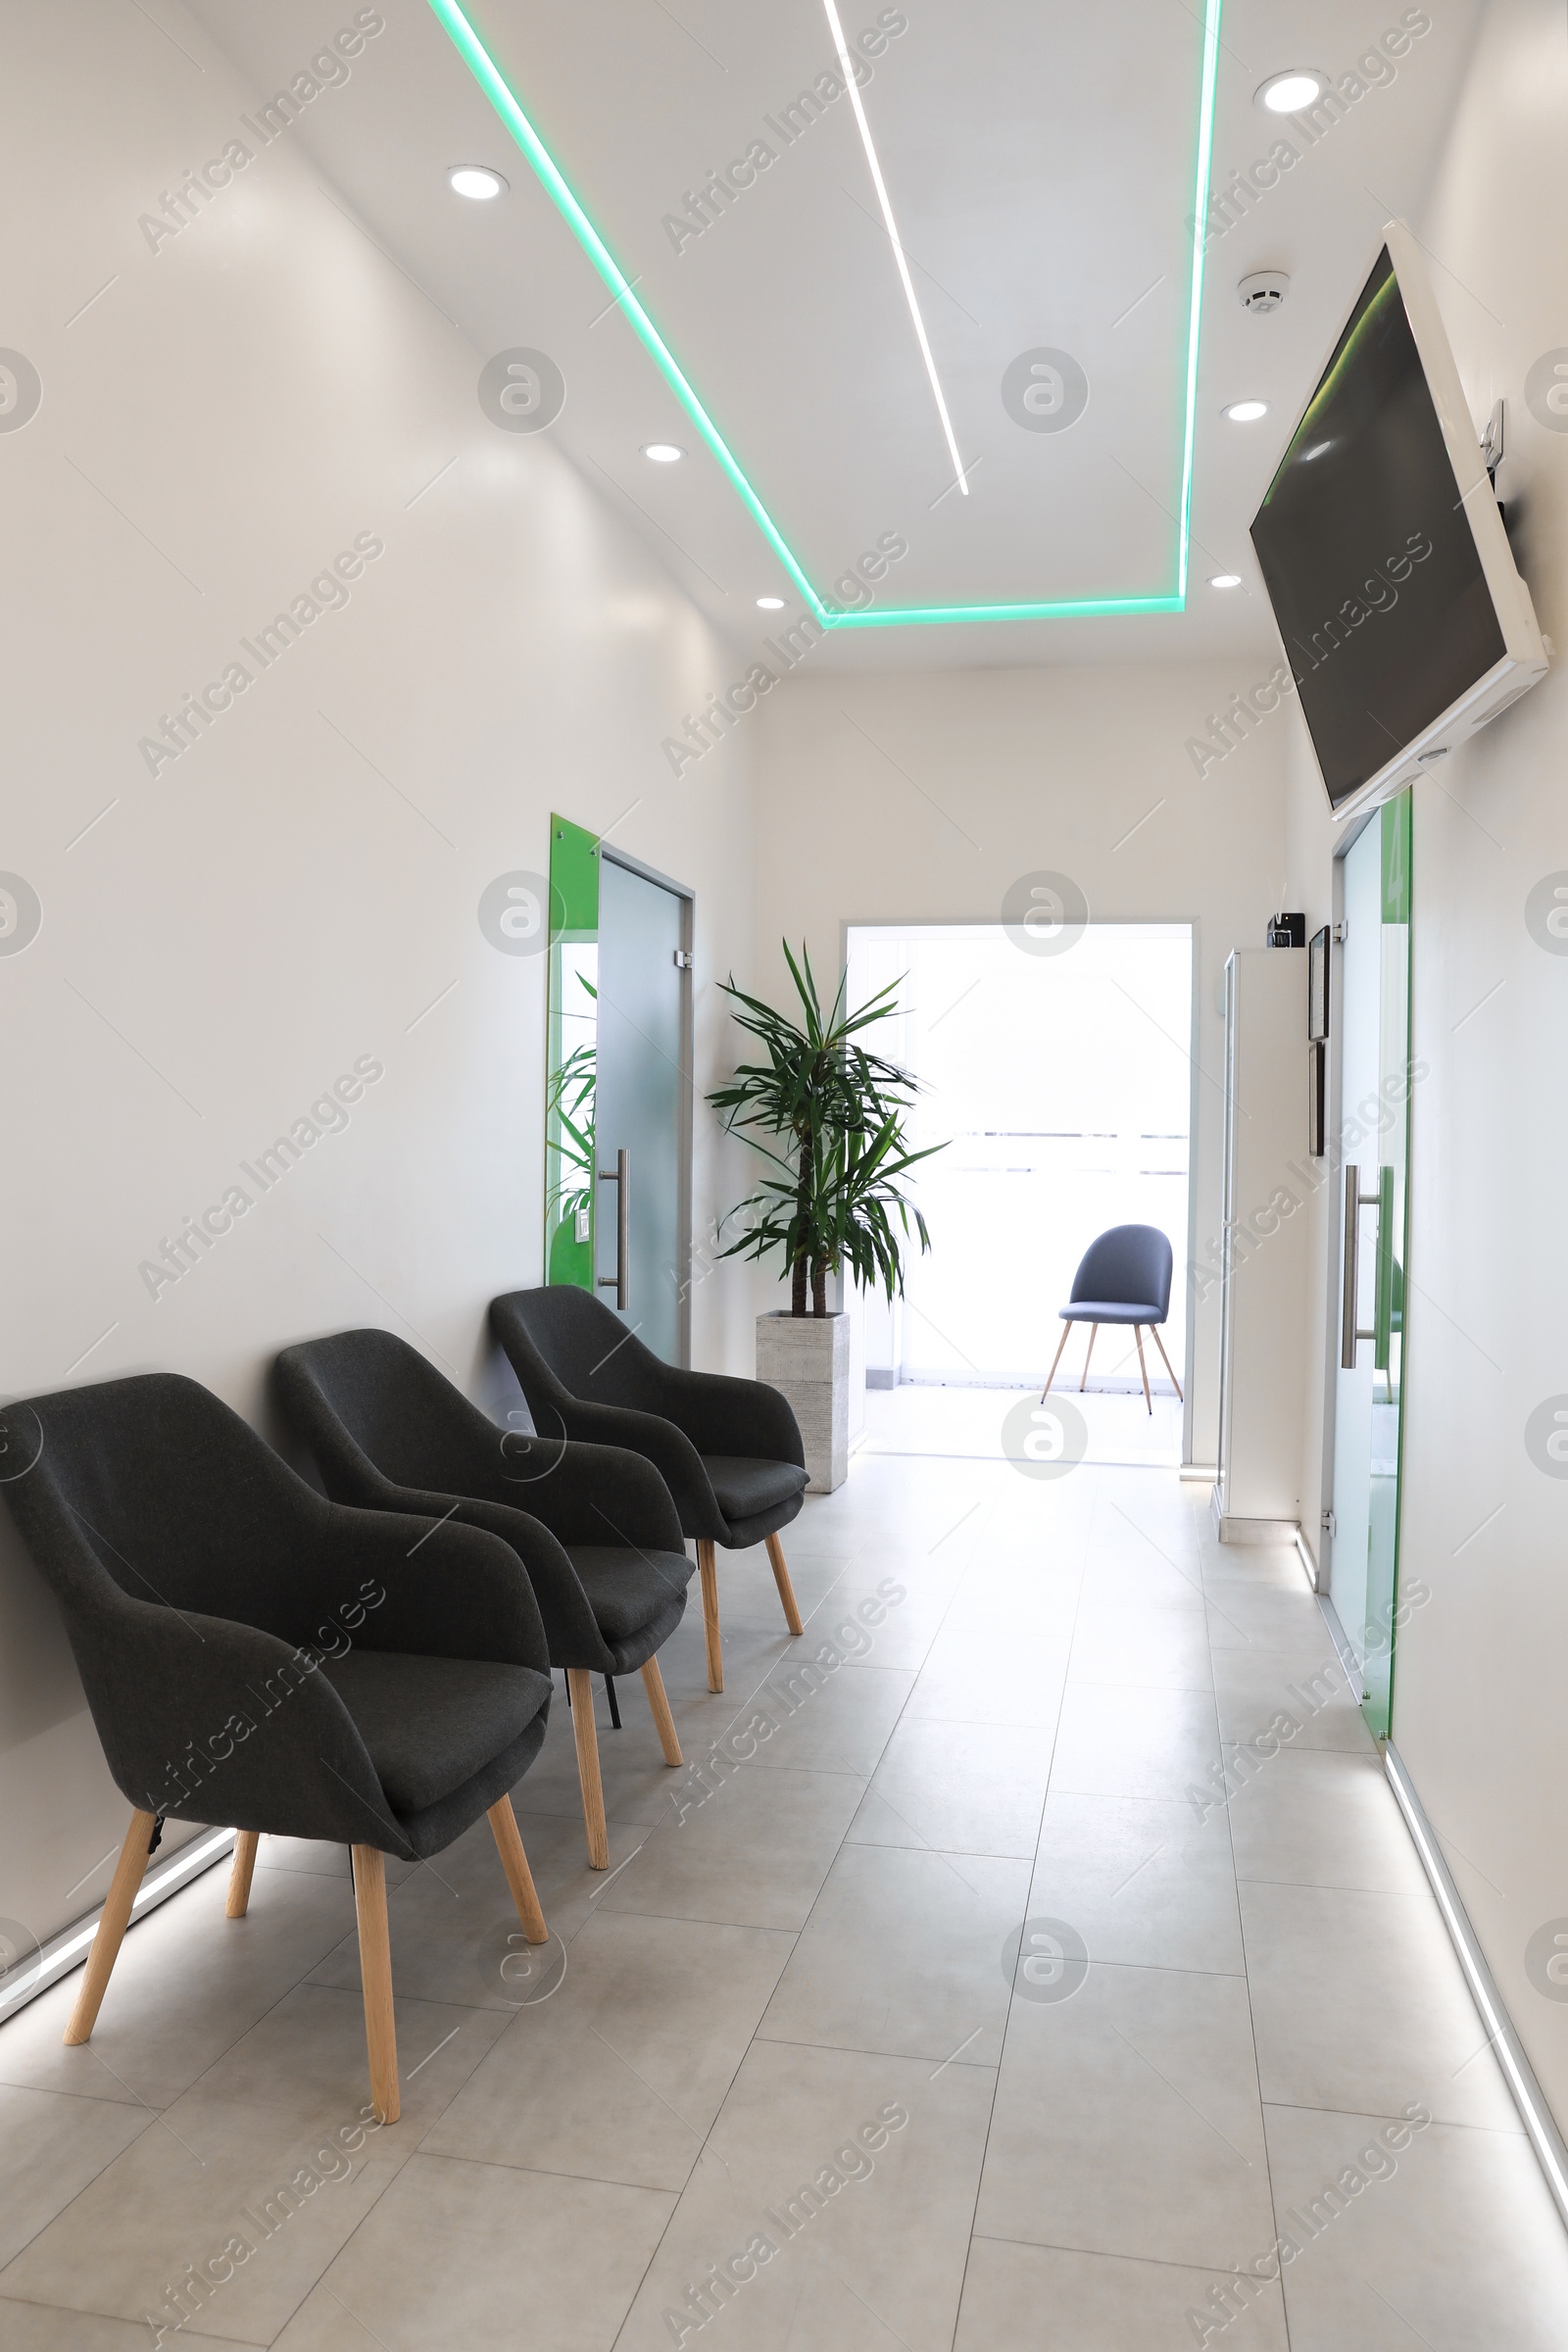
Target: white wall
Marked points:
1479	1707
907	798
300	887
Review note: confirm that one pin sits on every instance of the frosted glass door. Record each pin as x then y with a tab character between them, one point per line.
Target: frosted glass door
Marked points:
1374	1142
641	1107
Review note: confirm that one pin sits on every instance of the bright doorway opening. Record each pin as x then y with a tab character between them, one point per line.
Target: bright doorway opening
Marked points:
1058	1068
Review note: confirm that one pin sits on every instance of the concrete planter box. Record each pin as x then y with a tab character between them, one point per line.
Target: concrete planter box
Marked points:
807	1359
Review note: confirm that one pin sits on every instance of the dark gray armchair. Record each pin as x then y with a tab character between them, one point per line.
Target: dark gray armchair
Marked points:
1123	1277
592	1524
729	1450
253	1653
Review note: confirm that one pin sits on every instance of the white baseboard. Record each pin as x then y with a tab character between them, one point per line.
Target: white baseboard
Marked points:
1540	2124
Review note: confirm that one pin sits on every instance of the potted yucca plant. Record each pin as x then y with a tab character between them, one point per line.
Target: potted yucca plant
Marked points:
829	1118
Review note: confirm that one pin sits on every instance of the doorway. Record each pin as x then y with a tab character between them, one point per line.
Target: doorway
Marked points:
1374	1131
618	1098
1056	1066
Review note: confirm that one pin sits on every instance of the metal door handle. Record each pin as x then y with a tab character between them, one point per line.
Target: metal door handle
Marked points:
620	1281
1354	1202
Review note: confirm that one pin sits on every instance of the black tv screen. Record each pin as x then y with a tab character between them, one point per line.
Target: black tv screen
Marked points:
1369	561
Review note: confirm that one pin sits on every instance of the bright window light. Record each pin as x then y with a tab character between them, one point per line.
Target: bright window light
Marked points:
1246	411
770	603
1225	579
1286	93
476	181
663	453
877	181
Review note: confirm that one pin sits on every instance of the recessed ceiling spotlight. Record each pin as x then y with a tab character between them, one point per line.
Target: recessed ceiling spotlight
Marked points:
476	181
1225	579
770	603
662	453
1288	92
1246	411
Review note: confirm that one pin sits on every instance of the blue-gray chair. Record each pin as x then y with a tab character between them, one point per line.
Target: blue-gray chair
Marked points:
1122	1277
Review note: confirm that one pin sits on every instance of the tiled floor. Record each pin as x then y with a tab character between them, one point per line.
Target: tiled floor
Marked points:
809	1980
931	1418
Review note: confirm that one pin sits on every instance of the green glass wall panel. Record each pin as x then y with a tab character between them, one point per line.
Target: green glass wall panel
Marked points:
571	1057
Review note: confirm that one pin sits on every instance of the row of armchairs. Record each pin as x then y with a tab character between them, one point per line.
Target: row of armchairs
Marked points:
372	1666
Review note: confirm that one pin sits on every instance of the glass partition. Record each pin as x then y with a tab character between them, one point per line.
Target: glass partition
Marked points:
572	1054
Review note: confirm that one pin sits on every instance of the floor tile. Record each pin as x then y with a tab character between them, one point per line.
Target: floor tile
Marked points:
753	1854
965	1681
962	1788
1158	1649
1315	1817
1359	2004
1116	1741
883	2229
289	2196
485	2257
45	2328
1145	1884
1453	2240
827	1717
905	1952
187	1984
51	2145
1016	2295
453	1921
619	2074
1128	2122
1255	1689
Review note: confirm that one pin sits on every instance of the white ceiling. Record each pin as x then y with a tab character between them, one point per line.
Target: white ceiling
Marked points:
1040	161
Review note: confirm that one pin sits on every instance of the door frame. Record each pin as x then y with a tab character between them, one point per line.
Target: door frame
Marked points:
687	898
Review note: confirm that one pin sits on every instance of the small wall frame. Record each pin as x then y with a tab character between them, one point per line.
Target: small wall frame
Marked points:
1317	985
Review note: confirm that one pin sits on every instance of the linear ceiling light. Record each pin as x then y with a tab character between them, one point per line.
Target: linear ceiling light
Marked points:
883	199
488	76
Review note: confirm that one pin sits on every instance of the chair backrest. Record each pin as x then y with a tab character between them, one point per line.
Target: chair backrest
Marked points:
154	1485
366	1400
563	1342
1128	1266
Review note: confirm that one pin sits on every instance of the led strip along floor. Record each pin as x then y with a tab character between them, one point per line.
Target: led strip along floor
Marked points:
488	76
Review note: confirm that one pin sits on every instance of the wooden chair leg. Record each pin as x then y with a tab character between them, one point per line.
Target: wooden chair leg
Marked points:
112	1922
1143	1369
664	1720
580	1684
240	1873
1153	1333
707	1571
786	1590
376	1977
519	1877
1066	1331
1094	1334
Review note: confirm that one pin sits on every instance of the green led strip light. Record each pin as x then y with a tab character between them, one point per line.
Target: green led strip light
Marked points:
487	74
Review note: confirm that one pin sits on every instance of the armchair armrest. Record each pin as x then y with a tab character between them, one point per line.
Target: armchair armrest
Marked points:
556	1602
621	1465
590	1494
214	1721
439	1587
720	1414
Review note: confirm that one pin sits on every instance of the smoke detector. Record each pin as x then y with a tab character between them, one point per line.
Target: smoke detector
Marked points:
1264	291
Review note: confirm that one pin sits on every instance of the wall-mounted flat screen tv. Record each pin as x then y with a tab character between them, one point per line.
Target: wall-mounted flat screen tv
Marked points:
1404	620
